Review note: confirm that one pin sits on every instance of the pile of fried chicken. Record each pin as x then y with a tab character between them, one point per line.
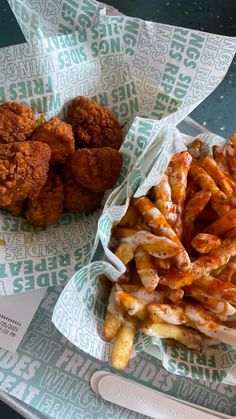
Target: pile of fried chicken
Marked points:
55	166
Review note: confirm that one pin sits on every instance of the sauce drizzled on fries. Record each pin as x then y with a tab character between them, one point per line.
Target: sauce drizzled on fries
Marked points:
178	244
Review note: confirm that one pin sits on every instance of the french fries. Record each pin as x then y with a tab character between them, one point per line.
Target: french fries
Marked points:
168	313
160	247
178	172
146	269
220	158
221	307
113	318
231	159
202	266
217	288
218	199
134	306
159	226
227	274
223	224
163	200
187	337
204	242
195	148
192	210
179	247
124	343
217	175
125	252
130	217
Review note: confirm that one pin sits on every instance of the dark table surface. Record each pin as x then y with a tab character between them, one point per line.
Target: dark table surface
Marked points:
218	111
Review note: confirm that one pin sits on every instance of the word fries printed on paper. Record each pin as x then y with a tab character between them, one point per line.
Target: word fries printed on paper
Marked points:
178	244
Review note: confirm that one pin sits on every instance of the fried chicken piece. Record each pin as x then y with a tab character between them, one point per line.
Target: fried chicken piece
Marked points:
93	125
17	122
59	136
23	170
76	197
48	206
16	208
96	169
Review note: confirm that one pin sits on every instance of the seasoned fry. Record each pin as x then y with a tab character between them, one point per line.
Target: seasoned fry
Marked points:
193	208
169	313
124	232
159	296
220	158
207	325
188	337
112	324
134	306
222	164
202	266
191	189
160	226
217	271
139	292
229	270
219	307
230	234
146	269
219	200
217	175
163	200
231	159
203	320
195	148
125	252
217	288
178	172
123	344
162	263
130	217
113	318
175	296
222	225
159	247
204	242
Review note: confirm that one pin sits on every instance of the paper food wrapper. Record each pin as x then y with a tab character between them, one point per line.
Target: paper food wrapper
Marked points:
51	375
136	68
80	310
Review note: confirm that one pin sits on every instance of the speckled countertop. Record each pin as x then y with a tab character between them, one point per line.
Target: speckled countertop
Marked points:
218	111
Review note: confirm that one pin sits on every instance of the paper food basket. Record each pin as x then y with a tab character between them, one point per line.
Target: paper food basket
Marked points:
57	384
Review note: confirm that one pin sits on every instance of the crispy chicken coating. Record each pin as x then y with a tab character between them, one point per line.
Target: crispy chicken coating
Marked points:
96	169
23	170
93	125
15	208
76	197
48	206
17	122
59	136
